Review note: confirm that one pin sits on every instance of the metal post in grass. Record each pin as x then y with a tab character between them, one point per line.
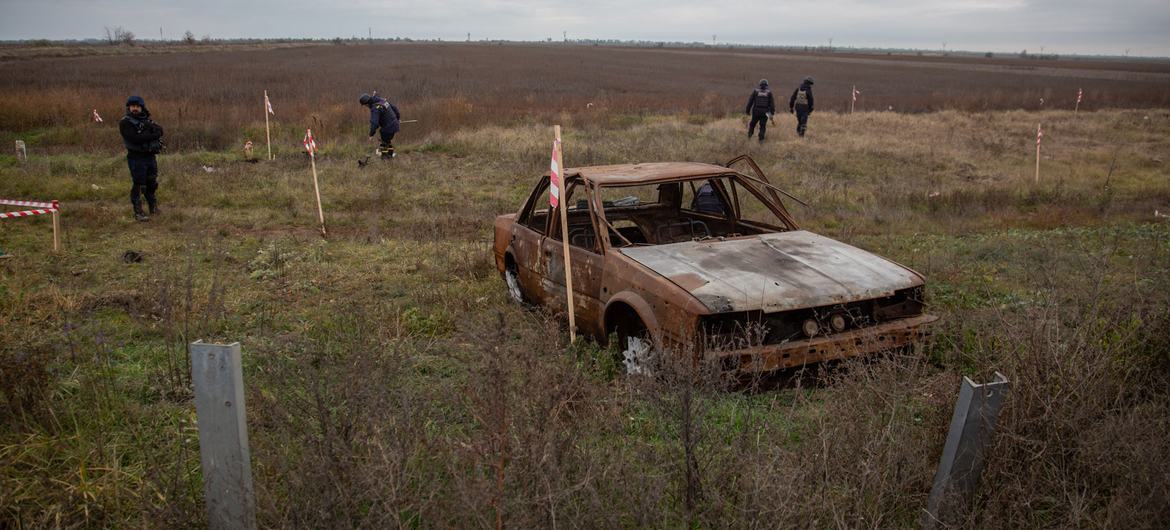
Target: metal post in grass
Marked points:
223	435
21	152
968	442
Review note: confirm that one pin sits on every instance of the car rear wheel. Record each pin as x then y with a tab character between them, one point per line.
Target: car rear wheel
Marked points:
512	278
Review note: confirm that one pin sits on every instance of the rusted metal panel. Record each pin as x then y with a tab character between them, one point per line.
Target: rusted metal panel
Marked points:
621	174
774	272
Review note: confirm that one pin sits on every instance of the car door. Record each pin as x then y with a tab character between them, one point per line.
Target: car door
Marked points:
585	256
527	238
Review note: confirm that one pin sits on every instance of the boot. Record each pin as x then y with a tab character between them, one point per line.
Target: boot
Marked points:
138	215
154	209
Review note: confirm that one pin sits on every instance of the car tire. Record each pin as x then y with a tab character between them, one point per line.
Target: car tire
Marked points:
635	349
512	279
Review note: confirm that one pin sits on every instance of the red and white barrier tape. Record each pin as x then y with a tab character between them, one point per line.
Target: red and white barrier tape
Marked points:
36	204
44	208
26	213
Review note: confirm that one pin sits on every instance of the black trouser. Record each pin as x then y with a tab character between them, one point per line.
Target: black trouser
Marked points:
760	118
387	146
802	120
144	174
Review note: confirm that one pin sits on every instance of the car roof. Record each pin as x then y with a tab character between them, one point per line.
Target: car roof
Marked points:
628	174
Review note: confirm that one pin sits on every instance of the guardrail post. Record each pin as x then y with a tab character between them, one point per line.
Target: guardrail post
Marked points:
968	441
223	435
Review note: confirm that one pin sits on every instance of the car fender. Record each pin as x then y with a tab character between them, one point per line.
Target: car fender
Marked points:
641	307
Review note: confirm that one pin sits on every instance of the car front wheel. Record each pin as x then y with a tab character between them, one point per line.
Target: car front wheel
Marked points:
637	349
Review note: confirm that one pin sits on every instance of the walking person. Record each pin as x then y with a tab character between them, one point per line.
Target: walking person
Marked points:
761	106
384	116
801	104
143	140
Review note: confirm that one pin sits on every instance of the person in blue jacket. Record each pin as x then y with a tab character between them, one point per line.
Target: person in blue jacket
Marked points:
384	116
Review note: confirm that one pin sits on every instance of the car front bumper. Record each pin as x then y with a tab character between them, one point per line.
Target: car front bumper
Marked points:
772	357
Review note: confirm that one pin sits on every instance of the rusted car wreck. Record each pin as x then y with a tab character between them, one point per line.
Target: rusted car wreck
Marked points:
703	258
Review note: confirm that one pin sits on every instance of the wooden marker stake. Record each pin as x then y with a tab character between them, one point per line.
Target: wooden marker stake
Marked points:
267	131
317	191
562	189
56	227
1039	135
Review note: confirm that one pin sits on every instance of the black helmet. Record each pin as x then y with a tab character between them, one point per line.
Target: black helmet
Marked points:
763	83
365	99
808	80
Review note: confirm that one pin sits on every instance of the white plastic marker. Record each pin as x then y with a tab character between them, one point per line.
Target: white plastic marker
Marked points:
97	118
854	101
556	187
1080	94
311	147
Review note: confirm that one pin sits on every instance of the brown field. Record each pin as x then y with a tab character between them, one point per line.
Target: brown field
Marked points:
390	383
210	97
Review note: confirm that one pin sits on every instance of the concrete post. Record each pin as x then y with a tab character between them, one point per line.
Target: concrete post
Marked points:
961	465
223	435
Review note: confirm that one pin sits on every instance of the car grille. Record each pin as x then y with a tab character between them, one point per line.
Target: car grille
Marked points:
737	330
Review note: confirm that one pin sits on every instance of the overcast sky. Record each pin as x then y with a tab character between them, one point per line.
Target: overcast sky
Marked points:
1059	26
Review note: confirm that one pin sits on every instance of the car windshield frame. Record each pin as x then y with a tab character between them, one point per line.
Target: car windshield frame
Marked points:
783	221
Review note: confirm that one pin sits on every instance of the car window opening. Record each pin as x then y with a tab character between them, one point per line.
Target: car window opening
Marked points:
692	210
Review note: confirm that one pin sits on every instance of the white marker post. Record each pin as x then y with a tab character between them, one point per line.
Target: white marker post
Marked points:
267	130
311	146
1080	94
853	100
557	192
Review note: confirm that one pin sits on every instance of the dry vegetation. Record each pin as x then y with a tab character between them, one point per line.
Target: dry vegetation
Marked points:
390	383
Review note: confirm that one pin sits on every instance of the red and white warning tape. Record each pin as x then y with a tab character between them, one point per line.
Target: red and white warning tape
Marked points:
29	203
43	208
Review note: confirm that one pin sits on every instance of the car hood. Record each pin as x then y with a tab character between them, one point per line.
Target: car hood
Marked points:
774	272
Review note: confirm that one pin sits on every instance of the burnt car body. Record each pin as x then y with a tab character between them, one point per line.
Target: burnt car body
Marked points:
684	256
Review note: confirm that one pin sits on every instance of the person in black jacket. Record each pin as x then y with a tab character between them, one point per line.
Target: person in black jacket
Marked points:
383	115
801	104
760	106
143	140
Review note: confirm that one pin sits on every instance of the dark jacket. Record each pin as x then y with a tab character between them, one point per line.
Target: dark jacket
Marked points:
761	102
793	104
141	135
383	114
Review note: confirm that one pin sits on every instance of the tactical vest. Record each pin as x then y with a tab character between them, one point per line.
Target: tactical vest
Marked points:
801	97
762	96
153	147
